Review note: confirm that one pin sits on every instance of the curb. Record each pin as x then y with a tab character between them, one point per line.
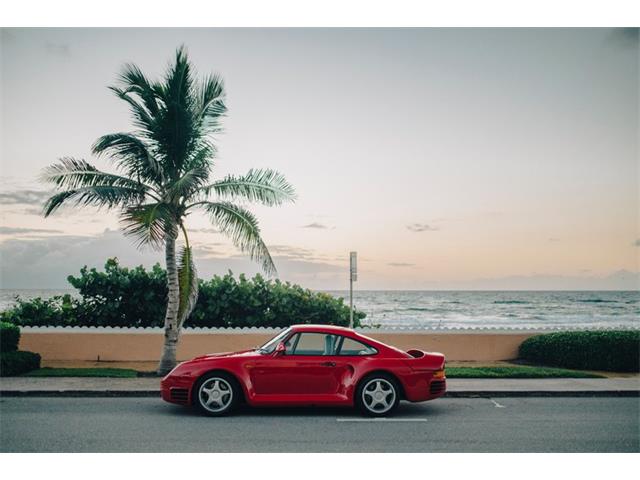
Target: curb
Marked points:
81	393
543	393
451	394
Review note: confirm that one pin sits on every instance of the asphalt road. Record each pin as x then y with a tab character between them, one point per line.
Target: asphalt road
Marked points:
445	425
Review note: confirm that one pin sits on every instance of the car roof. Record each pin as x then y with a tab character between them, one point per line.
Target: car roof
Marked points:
349	332
320	328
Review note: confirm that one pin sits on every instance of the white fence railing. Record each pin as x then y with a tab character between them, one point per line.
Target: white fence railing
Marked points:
365	330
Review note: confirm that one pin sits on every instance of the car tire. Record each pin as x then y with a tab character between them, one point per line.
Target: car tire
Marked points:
216	394
377	395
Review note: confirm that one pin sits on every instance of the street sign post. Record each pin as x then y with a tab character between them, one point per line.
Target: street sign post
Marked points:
353	276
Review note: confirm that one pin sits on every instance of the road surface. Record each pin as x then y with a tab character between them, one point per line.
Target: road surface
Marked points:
49	424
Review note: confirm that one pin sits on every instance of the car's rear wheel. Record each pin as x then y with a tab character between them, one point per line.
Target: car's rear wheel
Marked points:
378	395
216	394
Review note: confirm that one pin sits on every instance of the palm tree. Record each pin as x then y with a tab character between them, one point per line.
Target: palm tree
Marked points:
163	176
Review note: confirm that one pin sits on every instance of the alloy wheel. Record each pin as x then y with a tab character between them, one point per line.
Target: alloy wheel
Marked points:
378	395
215	394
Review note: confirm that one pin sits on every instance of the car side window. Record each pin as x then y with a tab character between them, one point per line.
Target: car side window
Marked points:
353	347
311	343
290	345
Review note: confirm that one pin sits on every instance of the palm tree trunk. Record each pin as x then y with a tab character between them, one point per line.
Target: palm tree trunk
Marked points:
171	328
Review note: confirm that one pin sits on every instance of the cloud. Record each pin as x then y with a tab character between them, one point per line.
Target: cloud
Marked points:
421	227
199	252
315	225
203	230
24	197
207	245
401	264
288	251
207	250
18	230
45	262
38	213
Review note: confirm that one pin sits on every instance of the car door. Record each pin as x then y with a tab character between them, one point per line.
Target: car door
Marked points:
309	366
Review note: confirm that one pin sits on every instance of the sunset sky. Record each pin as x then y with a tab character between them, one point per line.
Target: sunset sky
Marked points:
448	158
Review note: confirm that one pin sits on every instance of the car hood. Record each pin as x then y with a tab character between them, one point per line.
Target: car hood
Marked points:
212	356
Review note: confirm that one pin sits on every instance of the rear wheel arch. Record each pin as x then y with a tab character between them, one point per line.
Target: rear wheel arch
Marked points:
373	373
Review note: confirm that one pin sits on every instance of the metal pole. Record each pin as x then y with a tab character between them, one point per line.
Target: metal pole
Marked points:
350	300
353	276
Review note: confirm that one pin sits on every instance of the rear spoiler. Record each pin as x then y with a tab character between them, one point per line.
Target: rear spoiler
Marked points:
425	360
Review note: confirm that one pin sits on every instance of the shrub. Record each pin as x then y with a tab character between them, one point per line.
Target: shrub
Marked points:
120	296
227	302
55	311
16	363
9	337
617	351
123	297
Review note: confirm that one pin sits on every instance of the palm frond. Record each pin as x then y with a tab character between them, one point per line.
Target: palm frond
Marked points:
177	130
178	79
97	196
130	153
187	184
188	284
241	226
149	224
212	103
265	186
142	118
136	82
72	173
202	156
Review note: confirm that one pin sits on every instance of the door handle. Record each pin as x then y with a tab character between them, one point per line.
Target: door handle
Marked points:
328	364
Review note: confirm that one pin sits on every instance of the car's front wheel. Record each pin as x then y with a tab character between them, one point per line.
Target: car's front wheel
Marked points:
377	395
216	394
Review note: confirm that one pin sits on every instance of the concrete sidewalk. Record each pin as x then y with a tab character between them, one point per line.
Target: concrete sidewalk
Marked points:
145	386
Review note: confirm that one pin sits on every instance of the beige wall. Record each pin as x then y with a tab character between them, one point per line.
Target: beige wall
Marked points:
147	346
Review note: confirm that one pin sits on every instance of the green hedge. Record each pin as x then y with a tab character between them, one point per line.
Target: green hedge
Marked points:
615	351
123	297
16	363
9	337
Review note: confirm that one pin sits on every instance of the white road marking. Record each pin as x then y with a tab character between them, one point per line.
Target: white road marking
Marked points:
381	420
497	404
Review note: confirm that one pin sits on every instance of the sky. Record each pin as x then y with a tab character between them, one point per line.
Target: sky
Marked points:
447	158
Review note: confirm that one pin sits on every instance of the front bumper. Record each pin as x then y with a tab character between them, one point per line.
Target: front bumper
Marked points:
176	390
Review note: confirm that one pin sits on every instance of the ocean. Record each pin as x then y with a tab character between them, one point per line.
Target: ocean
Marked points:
460	309
500	309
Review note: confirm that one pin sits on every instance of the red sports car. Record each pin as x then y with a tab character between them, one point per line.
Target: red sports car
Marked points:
309	365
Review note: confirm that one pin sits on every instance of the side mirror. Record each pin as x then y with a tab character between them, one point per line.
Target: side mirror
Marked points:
280	349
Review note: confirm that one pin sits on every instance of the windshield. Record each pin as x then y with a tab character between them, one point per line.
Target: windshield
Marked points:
271	345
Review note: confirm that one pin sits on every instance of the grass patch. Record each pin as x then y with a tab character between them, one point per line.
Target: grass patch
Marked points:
516	372
83	372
